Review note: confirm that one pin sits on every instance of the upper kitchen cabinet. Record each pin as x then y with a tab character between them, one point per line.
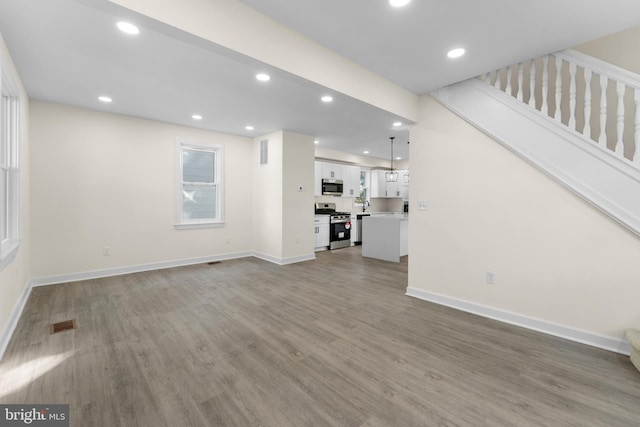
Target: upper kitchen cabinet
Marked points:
381	188
317	180
351	181
331	170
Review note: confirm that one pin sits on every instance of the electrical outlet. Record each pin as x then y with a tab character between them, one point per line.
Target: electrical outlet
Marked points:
490	277
106	251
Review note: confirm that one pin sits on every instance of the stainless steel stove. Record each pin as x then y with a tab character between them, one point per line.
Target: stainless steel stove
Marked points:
339	225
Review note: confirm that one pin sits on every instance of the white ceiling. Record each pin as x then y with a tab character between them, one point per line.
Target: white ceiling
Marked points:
70	52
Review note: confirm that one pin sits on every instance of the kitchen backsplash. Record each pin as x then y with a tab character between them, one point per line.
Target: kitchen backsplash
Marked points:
346	204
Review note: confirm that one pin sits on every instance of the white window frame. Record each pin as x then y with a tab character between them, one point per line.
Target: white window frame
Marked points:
218	150
9	168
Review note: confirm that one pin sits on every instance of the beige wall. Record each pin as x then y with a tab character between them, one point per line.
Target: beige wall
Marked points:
554	256
618	49
14	277
297	212
107	180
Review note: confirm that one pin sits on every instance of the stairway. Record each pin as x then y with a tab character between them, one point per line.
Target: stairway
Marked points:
633	336
556	113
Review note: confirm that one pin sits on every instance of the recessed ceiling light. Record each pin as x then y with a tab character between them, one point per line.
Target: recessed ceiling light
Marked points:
399	3
398	158
397	124
104	99
327	98
365	152
196	117
316	142
127	27
248	127
456	53
263	77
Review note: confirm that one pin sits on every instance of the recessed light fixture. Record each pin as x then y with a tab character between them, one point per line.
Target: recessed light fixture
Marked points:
365	152
397	124
316	142
104	99
327	98
399	3
196	117
127	27
456	53
263	77
398	158
248	127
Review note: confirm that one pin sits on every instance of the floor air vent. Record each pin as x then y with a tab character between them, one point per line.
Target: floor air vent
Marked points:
214	262
65	325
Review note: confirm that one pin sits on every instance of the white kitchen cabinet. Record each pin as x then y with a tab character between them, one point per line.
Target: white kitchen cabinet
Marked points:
317	186
351	180
381	188
321	230
331	170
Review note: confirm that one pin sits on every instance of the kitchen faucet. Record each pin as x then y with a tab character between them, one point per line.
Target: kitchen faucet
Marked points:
365	203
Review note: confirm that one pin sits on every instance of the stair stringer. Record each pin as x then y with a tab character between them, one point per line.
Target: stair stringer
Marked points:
605	181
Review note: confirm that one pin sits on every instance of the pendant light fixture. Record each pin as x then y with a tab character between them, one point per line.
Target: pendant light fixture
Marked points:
391	176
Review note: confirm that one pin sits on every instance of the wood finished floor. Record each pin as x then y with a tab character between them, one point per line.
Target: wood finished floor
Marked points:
330	342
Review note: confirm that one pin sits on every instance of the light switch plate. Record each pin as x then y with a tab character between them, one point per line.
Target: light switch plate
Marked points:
422	205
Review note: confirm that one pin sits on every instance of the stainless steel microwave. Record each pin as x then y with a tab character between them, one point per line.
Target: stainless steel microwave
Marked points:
332	187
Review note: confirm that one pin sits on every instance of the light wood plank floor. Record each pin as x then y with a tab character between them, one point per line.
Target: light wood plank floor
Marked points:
328	342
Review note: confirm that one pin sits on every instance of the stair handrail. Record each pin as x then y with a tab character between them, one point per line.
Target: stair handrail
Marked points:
545	80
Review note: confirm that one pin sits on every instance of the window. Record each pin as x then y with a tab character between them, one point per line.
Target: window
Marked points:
199	186
9	172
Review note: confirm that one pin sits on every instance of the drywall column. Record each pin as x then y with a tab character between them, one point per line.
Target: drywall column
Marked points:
283	198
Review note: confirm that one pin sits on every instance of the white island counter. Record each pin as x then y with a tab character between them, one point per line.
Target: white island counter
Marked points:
385	237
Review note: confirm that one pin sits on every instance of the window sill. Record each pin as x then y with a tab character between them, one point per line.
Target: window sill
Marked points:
191	225
9	256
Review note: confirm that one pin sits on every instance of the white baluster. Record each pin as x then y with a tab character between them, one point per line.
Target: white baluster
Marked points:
636	154
545	85
532	83
604	82
508	89
587	104
620	87
519	95
498	82
558	113
572	96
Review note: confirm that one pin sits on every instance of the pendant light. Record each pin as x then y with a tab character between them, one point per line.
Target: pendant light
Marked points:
391	176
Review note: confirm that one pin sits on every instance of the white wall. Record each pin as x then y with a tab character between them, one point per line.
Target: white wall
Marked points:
267	197
14	277
107	180
555	257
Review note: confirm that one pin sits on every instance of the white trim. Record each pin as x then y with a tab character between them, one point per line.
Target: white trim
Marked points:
614	72
12	322
186	226
613	344
284	261
117	271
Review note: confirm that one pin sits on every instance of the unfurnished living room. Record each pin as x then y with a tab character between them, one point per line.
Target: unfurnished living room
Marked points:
276	213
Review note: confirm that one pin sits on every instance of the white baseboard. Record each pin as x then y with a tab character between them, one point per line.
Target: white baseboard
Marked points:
7	332
284	261
616	345
118	271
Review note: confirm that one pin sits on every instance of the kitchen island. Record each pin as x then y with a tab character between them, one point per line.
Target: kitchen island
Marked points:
385	237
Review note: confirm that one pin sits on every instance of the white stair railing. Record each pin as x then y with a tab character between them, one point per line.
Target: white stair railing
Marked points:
597	100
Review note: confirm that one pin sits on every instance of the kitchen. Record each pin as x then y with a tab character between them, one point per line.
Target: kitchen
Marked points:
350	198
